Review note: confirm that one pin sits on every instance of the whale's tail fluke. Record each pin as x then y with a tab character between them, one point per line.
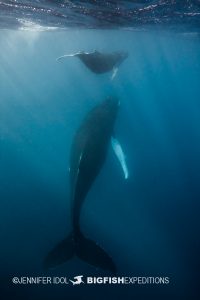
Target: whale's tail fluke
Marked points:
86	249
93	254
60	253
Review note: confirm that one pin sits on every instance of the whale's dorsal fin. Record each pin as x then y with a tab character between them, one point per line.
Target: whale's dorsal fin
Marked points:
120	155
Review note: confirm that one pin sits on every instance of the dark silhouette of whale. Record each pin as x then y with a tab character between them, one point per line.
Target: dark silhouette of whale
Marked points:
99	62
88	153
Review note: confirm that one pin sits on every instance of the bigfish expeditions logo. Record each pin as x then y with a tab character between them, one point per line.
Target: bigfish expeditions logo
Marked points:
80	279
77	280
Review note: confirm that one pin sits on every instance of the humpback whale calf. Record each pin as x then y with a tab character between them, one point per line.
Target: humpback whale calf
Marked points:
88	153
99	62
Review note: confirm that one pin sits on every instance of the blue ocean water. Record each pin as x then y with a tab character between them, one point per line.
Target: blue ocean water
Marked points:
149	223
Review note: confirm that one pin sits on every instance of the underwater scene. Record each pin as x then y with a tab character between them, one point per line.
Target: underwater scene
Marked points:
99	150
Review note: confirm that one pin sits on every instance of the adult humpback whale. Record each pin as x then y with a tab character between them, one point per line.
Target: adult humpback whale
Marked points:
99	62
88	153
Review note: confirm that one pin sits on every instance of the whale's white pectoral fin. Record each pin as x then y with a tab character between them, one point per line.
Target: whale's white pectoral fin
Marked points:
66	55
115	70
120	156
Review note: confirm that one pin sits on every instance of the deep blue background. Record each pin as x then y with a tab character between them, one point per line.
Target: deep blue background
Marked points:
149	223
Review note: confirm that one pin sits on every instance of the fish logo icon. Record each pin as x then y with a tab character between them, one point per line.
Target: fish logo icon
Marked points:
78	280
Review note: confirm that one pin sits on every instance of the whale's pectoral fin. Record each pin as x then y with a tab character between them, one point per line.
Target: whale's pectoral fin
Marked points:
120	156
114	73
67	55
93	254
